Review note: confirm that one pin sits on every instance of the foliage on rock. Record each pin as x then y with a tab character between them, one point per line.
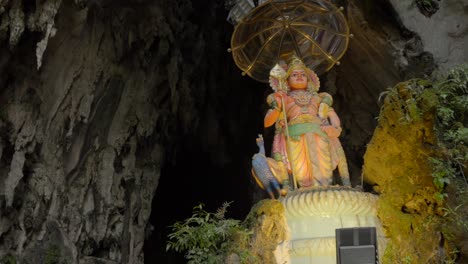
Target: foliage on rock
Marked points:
268	224
452	129
208	237
211	238
451	163
8	259
417	161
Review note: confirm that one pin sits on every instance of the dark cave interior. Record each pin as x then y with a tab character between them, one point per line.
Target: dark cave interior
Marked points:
211	164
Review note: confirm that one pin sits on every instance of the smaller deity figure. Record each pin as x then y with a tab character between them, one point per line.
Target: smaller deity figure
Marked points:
331	124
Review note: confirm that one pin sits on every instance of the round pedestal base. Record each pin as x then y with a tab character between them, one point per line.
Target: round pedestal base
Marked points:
313	215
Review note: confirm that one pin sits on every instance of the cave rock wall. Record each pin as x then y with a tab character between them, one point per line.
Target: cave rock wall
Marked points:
90	95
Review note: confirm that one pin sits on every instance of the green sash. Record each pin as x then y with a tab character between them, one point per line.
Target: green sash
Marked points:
296	130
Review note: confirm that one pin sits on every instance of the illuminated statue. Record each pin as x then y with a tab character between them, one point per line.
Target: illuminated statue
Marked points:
307	128
332	126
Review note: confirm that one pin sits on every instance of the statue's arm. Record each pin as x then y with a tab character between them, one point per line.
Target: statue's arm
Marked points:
270	118
334	129
334	119
273	114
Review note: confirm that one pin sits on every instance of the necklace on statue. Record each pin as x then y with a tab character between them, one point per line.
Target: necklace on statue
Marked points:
301	98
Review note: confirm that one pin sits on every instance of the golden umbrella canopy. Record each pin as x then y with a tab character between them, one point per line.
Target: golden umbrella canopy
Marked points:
315	30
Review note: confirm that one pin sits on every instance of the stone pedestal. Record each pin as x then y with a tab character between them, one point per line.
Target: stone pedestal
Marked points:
312	217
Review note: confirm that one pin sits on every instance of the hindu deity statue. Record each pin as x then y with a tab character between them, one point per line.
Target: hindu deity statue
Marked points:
307	128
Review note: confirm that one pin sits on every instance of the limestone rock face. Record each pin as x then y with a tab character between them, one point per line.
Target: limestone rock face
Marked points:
443	34
381	54
83	138
366	69
396	163
268	224
80	156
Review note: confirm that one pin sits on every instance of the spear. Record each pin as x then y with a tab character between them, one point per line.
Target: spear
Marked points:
288	145
278	83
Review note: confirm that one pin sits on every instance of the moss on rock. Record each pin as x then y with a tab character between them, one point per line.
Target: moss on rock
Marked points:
268	223
396	163
399	164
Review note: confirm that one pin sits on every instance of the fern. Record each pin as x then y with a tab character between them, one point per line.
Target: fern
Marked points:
206	237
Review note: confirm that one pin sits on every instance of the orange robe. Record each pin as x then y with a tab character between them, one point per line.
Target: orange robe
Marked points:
307	153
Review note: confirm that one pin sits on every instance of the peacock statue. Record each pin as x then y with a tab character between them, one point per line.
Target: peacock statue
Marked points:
267	172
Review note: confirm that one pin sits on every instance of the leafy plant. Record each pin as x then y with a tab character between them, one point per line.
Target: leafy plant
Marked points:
407	260
52	255
457	215
451	128
441	174
8	259
406	96
207	237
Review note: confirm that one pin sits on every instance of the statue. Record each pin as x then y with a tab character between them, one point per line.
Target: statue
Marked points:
332	126
267	172
306	128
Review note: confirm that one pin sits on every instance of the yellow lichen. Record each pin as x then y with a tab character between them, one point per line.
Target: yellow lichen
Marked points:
396	163
267	221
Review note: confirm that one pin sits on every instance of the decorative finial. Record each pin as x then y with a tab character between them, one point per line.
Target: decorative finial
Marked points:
277	78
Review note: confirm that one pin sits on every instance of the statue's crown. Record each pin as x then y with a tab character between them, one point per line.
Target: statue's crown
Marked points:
295	63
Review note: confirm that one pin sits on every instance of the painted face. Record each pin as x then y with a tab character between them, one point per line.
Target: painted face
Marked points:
298	79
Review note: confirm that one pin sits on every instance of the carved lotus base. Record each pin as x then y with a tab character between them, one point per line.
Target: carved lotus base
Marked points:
312	217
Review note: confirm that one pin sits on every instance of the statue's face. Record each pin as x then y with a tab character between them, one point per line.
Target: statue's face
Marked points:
298	79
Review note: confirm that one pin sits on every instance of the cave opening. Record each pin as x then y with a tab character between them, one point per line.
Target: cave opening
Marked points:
210	166
125	109
210	163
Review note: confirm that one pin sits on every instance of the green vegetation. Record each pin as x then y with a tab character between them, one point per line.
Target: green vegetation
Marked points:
52	255
450	166
8	259
445	97
452	129
417	160
209	237
449	163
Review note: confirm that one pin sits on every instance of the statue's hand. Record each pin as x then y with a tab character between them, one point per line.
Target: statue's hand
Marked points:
279	95
281	123
323	110
332	131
